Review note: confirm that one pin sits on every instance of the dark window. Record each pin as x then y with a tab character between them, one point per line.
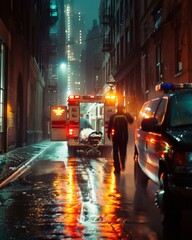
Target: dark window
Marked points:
121	13
160	113
146	72
159	74
131	33
181	111
126	9
145	5
122	48
118	53
127	40
178	61
118	27
157	18
2	87
145	30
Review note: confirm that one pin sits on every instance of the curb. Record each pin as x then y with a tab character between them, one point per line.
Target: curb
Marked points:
22	168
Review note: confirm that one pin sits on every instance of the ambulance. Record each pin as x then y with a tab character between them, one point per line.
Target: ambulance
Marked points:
95	109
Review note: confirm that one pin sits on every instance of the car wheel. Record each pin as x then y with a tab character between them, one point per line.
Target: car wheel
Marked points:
171	212
141	180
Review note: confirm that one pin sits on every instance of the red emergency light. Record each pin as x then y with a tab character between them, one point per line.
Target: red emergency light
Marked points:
70	132
92	97
89	97
113	132
74	97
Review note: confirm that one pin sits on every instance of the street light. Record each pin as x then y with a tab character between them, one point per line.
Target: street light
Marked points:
63	66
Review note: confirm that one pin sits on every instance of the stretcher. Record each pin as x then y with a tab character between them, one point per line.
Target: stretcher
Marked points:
92	140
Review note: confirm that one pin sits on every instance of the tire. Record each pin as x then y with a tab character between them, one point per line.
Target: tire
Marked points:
140	179
171	212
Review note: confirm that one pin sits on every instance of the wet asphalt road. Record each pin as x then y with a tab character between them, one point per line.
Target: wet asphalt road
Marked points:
77	198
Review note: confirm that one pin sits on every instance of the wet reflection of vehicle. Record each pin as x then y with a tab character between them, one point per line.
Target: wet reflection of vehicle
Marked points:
163	149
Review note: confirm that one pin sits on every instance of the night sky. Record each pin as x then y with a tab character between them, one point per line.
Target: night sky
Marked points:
89	8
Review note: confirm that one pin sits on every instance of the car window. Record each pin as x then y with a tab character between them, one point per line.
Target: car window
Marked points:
181	111
148	109
160	113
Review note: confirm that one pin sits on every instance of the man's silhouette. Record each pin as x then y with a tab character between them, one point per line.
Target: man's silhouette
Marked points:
118	133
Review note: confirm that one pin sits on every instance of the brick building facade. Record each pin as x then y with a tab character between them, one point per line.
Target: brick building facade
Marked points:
165	43
145	42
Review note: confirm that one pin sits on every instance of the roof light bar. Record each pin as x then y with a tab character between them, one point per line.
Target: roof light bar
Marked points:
71	97
172	86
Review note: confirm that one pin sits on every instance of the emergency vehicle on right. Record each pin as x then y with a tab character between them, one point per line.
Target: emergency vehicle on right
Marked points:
163	149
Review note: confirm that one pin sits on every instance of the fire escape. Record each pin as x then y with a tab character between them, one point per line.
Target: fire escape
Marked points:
108	46
107	21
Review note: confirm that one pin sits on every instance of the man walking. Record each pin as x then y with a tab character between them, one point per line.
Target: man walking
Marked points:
118	133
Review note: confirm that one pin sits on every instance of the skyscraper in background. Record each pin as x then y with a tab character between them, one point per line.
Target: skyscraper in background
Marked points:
75	35
93	80
56	75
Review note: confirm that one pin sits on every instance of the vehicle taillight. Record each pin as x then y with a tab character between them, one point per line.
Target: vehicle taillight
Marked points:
112	132
180	159
70	132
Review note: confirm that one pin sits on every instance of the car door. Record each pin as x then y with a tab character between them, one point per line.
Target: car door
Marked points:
144	139
155	144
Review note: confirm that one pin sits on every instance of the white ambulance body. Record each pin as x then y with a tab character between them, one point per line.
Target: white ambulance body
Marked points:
97	110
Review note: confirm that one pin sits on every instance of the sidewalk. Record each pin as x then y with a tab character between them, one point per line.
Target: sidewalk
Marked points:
13	160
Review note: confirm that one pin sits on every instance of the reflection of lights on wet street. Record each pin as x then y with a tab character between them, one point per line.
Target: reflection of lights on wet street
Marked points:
69	200
78	198
102	207
88	203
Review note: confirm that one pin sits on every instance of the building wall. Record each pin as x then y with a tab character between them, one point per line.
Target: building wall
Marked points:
121	65
23	33
145	43
165	44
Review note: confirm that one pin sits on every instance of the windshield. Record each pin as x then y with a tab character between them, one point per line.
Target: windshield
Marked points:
181	111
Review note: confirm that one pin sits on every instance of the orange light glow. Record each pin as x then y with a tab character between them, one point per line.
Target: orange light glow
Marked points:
9	111
58	111
152	140
111	97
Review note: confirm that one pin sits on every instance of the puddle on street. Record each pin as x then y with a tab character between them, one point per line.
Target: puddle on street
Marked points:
63	200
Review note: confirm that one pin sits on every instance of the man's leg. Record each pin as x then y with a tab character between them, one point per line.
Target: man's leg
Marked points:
123	149
116	156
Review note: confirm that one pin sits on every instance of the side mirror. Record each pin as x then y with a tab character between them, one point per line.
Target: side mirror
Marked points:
149	124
